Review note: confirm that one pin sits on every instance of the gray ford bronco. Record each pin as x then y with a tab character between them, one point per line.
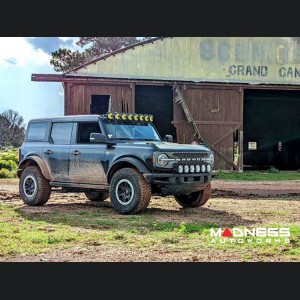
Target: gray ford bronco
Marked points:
115	155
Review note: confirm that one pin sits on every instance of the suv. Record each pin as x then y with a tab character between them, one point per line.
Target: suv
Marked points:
115	155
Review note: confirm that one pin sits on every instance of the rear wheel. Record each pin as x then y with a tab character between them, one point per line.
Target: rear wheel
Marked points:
97	196
195	199
129	191
34	187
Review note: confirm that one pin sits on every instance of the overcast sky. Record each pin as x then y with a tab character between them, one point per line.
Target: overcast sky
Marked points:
19	58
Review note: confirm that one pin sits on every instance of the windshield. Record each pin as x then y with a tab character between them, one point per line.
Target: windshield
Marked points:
144	132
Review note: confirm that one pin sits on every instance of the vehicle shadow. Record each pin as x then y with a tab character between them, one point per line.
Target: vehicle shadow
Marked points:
102	216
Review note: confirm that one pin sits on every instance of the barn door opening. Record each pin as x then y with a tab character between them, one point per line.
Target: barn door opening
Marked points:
100	104
158	101
271	129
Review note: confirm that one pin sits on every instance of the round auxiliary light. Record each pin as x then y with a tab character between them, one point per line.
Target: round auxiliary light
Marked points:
124	117
192	169
110	116
198	168
136	117
151	118
208	168
146	118
141	117
186	169
180	169
117	116
130	117
203	168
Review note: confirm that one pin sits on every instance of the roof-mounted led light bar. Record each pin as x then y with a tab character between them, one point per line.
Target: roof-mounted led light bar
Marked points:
130	117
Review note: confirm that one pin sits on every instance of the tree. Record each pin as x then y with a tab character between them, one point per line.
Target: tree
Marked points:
12	128
64	59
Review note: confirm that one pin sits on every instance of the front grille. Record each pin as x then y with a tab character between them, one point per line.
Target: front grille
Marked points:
190	156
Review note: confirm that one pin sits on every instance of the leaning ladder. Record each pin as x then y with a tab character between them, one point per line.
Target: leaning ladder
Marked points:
178	98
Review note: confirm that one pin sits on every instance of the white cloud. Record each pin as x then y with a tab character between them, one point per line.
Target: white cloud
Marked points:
65	39
18	51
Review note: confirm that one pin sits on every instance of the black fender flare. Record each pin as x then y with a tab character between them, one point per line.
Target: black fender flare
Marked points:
41	164
140	166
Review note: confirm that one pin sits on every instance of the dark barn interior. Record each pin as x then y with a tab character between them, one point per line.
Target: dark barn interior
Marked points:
99	104
158	101
271	119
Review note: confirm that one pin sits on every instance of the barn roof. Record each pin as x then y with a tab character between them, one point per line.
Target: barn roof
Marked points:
243	60
113	53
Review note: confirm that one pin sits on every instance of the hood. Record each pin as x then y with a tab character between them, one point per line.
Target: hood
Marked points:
169	147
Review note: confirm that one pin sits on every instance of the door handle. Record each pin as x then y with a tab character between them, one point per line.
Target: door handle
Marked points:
76	152
48	152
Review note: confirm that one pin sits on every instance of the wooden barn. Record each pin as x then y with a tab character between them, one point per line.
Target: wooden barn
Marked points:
242	93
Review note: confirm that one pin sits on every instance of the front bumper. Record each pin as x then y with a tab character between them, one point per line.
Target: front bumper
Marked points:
176	184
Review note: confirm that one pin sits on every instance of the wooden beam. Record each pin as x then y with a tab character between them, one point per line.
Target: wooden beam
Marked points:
223	123
226	135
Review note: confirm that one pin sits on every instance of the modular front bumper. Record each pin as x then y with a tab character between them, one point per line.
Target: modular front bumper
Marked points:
176	184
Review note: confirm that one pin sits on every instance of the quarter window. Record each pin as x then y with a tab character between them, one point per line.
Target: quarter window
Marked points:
61	133
37	131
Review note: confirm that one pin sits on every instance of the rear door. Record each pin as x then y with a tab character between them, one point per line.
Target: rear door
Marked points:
56	151
86	159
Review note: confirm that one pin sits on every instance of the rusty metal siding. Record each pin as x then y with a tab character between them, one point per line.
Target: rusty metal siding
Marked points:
206	59
217	113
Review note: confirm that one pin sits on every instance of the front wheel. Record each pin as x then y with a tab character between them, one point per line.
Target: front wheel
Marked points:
34	187
129	191
195	199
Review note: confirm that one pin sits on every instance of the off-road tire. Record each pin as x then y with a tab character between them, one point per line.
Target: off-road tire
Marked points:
194	199
42	191
97	196
142	191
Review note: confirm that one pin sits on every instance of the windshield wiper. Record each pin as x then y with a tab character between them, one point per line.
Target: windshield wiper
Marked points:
149	140
123	139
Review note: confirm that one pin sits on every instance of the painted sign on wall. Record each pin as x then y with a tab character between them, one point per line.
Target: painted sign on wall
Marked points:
207	59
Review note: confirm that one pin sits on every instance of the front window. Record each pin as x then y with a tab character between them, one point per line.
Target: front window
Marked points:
136	132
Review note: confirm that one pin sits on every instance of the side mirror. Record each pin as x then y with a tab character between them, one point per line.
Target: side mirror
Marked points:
97	138
169	138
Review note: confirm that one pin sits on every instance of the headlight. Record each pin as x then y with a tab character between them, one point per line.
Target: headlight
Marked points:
208	168
186	169
192	168
198	169
210	159
203	168
180	169
162	160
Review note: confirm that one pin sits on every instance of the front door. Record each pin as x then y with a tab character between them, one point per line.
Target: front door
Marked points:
86	159
56	151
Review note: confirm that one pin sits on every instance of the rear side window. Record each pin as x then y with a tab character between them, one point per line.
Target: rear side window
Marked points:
37	131
61	133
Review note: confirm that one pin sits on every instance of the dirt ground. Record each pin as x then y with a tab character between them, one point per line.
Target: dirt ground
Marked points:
242	203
